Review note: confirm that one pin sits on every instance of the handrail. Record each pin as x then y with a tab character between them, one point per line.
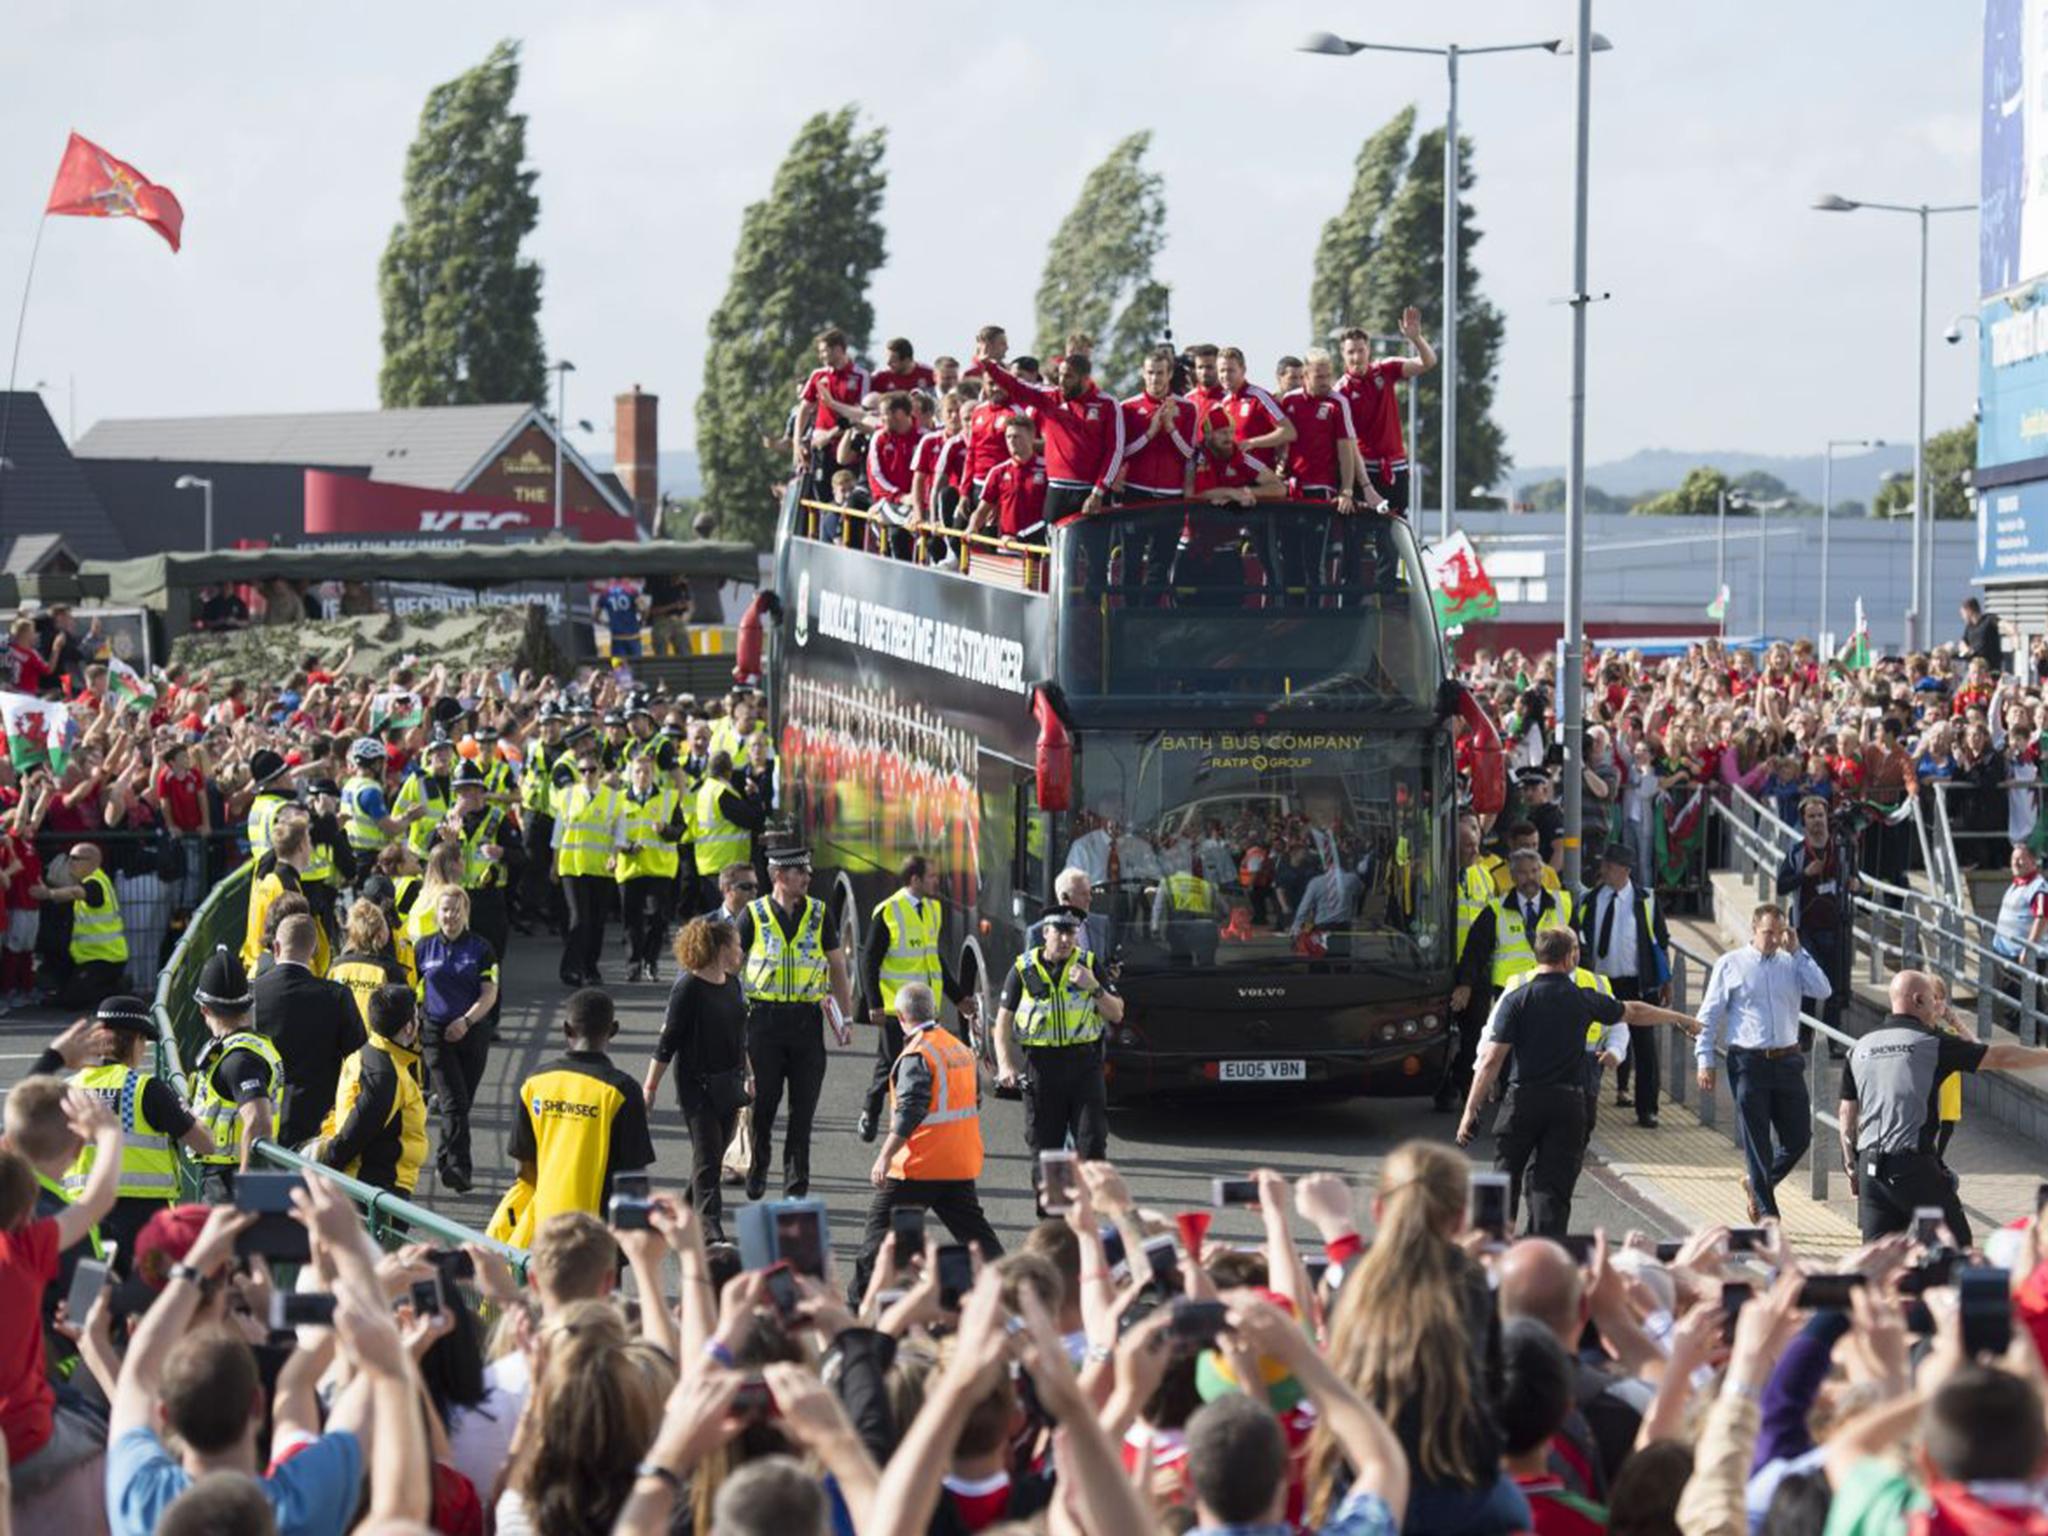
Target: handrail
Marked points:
393	1219
1001	545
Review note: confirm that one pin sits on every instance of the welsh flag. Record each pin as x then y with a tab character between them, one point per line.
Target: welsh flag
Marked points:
38	732
1718	608
1856	654
133	689
1677	835
1458	583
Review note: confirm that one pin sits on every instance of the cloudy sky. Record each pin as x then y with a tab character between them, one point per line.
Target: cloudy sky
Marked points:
1739	319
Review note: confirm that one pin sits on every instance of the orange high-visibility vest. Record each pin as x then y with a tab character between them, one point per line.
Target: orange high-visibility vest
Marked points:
947	1143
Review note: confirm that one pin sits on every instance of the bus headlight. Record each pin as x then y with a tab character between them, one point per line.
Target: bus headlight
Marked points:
1409	1028
1429	1023
1388	1032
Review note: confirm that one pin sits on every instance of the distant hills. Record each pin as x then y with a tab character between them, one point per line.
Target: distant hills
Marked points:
1649	470
679	473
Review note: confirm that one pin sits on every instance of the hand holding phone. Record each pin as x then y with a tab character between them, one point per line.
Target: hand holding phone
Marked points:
1059	1179
1234	1192
956	1275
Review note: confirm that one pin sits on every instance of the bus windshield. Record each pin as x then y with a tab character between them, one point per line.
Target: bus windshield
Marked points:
1271	848
1289	604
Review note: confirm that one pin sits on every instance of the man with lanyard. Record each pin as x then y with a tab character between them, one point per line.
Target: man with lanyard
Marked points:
1819	874
1054	1006
266	768
1756	990
425	798
902	947
1502	943
487	838
1475	894
724	825
104	1057
366	814
794	963
239	1074
586	840
1887	1108
933	1152
651	824
1622	931
1541	1027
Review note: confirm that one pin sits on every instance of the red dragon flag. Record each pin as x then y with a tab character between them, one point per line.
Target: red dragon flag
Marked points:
92	184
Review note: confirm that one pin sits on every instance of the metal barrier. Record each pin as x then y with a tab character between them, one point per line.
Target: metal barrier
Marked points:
393	1220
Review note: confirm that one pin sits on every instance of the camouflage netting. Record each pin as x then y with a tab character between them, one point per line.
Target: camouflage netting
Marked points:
493	637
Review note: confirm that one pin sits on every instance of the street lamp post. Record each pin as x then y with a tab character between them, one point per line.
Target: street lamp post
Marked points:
1447	347
205	487
562	371
1827	510
1917	610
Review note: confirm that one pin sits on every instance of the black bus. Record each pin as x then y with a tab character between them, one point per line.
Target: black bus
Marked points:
1258	783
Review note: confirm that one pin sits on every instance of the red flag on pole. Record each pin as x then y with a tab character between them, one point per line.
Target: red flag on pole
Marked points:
92	184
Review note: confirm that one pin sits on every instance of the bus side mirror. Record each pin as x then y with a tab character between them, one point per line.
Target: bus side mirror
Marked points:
1055	758
1489	760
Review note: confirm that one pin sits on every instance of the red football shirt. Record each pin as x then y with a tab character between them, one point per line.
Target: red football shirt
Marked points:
1084	436
1220	472
1375	402
1252	410
919	377
1322	425
1206	401
1017	490
182	796
848	385
985	446
1158	463
938	459
889	466
28	1263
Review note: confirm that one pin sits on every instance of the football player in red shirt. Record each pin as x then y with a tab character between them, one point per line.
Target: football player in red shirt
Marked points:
1261	428
1013	496
1322	465
1286	376
1083	430
985	448
1160	434
1208	571
935	473
834	392
890	452
1371	389
1208	392
904	372
945	375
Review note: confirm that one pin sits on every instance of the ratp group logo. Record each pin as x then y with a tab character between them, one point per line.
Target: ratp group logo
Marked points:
803	609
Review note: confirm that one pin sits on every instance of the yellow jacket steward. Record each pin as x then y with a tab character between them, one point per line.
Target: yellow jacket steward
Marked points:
220	1114
377	1130
262	812
364	974
1512	954
420	790
584	819
1189	895
533	782
946	1143
782	970
1476	893
1504	880
719	842
1585	981
96	923
579	1120
263	892
365	832
149	1169
913	953
643	822
1051	1010
726	737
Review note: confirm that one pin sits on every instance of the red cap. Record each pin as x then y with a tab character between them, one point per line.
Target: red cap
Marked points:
164	1240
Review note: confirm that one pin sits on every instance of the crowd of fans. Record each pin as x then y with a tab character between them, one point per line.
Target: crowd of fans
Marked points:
1124	1372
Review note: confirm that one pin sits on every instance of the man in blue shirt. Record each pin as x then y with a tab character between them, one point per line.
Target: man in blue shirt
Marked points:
1753	1000
619	606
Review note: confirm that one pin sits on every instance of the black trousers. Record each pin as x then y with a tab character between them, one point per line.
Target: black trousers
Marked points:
1540	1139
1639	1066
490	918
1065	1097
1464	1052
888	1046
710	1134
1904	1181
542	898
646	899
786	1044
953	1201
583	939
456	1068
86	985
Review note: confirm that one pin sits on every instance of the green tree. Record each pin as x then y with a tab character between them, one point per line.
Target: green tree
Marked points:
461	306
1949	459
1698	495
1340	293
1401	264
1549	496
806	252
1098	268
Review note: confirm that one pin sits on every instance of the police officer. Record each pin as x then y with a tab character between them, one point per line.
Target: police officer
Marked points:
616	739
365	813
642	740
1476	893
425	799
724	827
794	962
903	947
933	1152
1539	1028
486	837
1502	942
651	825
1888	1108
333	862
1056	1006
239	1074
537	813
150	1111
266	774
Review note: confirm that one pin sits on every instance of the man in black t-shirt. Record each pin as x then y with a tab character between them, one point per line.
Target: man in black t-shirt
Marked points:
1889	1110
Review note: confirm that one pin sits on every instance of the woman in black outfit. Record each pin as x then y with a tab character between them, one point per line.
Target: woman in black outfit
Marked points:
704	1034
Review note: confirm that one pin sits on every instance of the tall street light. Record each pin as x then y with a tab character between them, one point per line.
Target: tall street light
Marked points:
205	487
562	371
1827	510
1917	611
1330	44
